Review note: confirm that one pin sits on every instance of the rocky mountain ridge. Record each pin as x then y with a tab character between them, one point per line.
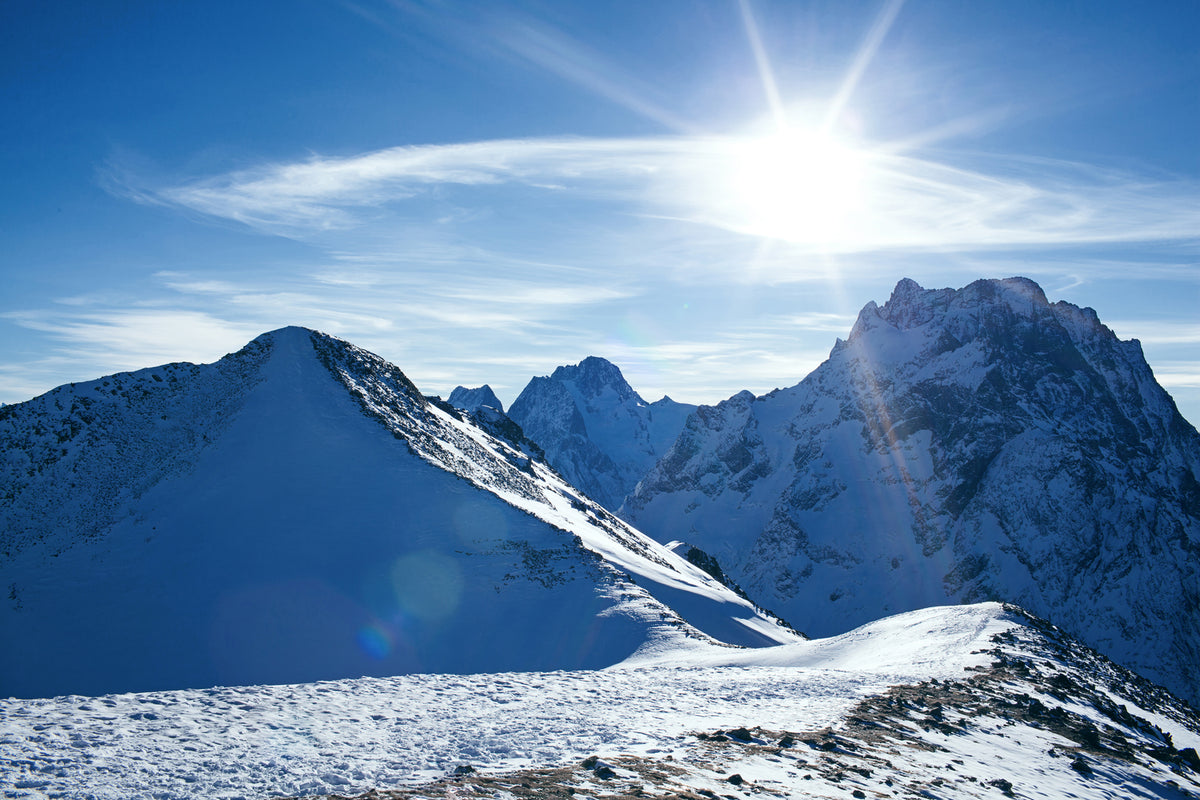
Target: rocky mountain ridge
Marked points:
958	446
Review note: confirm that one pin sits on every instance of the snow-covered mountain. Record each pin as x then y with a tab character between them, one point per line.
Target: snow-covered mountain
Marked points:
959	446
953	702
299	511
472	399
595	429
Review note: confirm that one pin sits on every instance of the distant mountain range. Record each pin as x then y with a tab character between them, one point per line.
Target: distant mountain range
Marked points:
960	445
298	511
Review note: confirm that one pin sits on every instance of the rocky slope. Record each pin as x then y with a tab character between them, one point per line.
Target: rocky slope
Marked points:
595	429
299	511
959	446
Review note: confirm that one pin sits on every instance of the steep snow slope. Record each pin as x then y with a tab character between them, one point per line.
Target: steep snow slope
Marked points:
472	399
595	429
976	701
298	511
959	446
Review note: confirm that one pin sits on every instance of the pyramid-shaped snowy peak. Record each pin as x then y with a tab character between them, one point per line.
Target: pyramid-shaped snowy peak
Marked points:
299	511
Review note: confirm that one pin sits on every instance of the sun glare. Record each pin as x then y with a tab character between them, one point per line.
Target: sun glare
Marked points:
796	185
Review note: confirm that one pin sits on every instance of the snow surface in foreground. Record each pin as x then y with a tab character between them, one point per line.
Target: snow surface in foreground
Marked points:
352	735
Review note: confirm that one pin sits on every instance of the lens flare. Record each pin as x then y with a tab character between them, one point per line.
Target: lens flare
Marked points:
376	641
428	585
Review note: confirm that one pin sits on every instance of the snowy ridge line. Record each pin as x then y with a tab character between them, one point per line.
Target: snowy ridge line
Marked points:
445	439
115	435
343	525
1047	718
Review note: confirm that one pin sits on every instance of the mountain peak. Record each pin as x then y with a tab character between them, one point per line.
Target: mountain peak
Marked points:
962	444
906	290
1026	287
593	375
299	511
984	290
472	399
911	306
288	333
595	429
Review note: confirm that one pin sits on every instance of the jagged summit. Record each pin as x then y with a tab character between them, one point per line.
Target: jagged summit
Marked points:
298	511
595	429
474	399
593	376
910	305
959	445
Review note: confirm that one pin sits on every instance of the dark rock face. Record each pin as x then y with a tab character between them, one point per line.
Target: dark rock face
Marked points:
959	446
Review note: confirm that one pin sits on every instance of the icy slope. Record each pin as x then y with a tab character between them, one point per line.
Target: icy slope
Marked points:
595	429
298	511
959	446
949	702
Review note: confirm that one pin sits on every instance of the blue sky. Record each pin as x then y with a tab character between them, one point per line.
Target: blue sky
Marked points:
705	193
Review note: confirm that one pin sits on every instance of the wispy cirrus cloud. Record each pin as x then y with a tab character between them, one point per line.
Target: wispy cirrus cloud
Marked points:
906	202
422	320
1176	375
323	193
1150	331
126	338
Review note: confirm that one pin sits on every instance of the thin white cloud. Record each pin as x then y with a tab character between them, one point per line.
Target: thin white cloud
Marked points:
1062	271
330	193
180	282
821	321
131	338
1158	332
1178	374
522	294
415	318
907	203
711	370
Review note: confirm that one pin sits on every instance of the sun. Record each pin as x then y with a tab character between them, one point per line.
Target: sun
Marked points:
795	185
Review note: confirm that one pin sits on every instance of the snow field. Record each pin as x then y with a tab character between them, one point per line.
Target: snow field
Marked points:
352	735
